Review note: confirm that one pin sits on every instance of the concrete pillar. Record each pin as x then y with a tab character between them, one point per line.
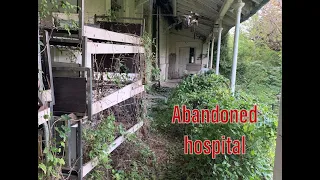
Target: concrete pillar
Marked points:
212	46
208	54
277	169
218	49
238	7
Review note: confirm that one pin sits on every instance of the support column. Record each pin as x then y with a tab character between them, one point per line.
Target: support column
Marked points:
218	49
212	46
208	54
238	7
150	18
277	169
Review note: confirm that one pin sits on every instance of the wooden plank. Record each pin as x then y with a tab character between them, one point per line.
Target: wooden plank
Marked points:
118	96
98	33
94	162
46	95
103	48
41	115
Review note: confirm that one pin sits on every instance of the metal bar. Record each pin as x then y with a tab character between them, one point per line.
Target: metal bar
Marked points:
60	40
48	61
79	149
84	53
69	145
71	68
89	90
119	17
81	18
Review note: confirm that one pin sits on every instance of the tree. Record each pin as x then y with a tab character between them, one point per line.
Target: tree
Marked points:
266	25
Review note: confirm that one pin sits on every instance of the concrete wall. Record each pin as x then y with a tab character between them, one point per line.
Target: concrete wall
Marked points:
181	39
92	7
164	48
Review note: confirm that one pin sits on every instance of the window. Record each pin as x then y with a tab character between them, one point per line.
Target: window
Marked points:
191	55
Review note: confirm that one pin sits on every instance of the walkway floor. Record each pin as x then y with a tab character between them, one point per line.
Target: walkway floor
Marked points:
171	83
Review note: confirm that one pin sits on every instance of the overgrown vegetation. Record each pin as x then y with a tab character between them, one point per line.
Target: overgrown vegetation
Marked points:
205	92
50	165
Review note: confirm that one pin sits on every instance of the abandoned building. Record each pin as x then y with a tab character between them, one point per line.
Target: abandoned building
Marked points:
85	71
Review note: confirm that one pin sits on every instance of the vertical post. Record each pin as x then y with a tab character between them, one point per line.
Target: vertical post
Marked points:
174	3
48	63
218	49
39	60
158	43
277	169
150	18
212	46
89	90
79	149
238	6
208	54
81	18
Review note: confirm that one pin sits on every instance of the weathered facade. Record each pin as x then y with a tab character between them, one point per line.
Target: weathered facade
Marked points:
79	64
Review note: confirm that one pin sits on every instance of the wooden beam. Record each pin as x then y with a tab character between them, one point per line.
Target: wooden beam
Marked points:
97	33
225	7
94	162
41	115
46	95
118	96
103	48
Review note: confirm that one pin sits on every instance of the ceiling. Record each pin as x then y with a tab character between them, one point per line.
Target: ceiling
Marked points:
209	11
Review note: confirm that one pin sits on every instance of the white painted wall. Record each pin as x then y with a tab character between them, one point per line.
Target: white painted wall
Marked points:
163	54
65	55
183	38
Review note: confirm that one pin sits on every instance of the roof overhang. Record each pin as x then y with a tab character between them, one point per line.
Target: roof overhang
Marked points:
211	12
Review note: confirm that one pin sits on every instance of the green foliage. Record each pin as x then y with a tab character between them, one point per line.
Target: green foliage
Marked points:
205	92
98	141
259	68
51	166
47	7
151	70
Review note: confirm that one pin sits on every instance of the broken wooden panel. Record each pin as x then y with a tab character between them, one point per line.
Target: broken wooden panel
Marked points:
70	94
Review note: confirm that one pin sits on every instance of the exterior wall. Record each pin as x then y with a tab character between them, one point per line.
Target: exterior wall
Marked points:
163	52
179	40
92	7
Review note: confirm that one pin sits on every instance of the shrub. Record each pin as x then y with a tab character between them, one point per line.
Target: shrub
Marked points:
205	92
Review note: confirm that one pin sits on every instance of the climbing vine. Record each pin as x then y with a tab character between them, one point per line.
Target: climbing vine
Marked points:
151	69
51	165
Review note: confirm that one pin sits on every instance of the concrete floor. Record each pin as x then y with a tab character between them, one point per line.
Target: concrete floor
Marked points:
171	83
